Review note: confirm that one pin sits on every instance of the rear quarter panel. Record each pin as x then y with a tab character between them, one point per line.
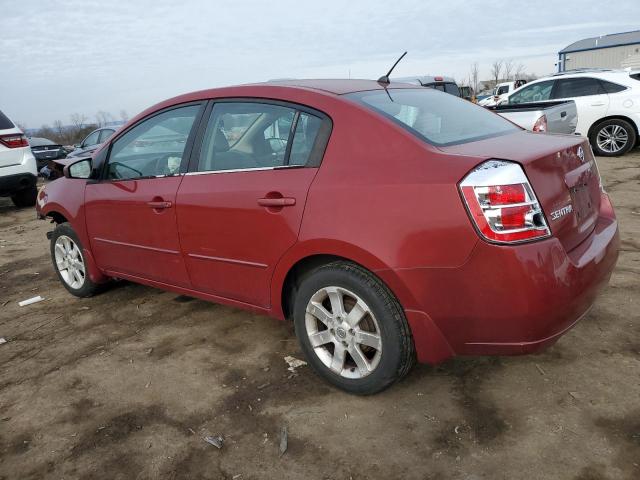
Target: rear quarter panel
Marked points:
382	192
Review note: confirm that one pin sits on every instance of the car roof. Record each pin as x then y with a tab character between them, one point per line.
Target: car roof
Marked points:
425	79
617	76
336	86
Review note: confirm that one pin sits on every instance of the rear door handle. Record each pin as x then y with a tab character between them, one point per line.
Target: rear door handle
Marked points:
277	202
597	104
160	205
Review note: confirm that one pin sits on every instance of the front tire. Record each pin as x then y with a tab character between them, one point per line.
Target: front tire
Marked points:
26	197
68	262
612	138
352	330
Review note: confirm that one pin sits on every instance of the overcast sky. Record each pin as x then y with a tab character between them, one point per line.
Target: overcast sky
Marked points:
57	58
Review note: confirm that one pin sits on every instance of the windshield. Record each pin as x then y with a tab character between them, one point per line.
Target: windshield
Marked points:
436	117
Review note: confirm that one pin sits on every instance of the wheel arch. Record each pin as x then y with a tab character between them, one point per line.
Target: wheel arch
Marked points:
614	117
305	257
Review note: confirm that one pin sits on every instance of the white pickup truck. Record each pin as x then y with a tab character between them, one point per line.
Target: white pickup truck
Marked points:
553	117
500	92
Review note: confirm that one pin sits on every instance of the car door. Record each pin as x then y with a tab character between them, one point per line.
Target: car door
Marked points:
130	212
240	206
592	102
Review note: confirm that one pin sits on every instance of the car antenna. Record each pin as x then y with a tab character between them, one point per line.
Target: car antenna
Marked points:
385	78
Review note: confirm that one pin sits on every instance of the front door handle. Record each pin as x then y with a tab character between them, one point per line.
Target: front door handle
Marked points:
597	104
277	202
159	205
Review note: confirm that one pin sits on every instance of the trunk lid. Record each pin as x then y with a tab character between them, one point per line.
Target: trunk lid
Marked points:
562	172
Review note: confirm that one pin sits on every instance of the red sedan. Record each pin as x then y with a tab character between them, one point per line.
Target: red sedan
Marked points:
389	222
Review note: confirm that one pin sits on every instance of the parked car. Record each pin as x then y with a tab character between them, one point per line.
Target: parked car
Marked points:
608	103
552	117
483	94
376	217
18	171
45	150
438	82
500	92
92	142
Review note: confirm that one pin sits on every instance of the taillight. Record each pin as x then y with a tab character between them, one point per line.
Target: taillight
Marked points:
502	203
541	124
14	140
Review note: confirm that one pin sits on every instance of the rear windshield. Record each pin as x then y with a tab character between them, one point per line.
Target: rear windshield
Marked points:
5	122
438	118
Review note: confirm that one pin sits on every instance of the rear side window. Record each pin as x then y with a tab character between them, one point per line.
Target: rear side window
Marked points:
5	123
577	87
436	118
253	135
452	88
105	134
611	87
537	92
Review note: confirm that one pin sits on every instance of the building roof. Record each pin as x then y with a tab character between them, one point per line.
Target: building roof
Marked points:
604	41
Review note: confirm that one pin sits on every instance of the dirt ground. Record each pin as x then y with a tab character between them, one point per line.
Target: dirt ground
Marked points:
126	384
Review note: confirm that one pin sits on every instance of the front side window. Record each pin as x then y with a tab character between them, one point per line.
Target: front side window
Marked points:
153	147
92	139
252	135
503	89
452	88
536	92
577	87
439	119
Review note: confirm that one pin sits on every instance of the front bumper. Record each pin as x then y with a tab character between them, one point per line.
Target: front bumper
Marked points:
508	300
10	184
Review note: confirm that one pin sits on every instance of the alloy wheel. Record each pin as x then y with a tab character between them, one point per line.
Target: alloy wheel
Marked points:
612	138
343	332
69	262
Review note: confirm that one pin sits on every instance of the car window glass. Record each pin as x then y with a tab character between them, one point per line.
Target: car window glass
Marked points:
577	87
92	139
452	88
5	123
611	87
304	138
439	119
105	134
245	135
154	146
536	92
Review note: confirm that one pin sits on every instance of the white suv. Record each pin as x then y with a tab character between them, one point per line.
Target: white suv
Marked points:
18	171
608	103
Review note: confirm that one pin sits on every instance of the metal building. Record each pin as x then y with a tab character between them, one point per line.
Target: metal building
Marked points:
618	50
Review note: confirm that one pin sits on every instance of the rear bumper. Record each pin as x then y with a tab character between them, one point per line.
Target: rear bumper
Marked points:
508	300
11	184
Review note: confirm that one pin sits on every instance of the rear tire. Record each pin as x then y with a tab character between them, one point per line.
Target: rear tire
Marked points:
352	330
612	138
68	261
26	197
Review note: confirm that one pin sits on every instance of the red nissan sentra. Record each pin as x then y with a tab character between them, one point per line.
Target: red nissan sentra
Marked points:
389	222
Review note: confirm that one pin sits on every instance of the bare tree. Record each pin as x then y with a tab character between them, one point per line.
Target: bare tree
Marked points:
473	76
78	120
124	116
519	73
496	71
508	69
102	118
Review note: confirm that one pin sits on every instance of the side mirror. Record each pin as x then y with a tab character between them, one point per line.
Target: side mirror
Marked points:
79	169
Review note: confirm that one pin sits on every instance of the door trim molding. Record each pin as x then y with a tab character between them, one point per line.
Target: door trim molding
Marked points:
133	245
228	260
